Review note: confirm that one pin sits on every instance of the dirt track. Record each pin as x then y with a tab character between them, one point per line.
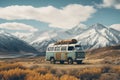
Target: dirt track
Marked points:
73	66
64	66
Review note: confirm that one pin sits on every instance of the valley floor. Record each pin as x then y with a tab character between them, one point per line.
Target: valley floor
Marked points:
40	61
36	68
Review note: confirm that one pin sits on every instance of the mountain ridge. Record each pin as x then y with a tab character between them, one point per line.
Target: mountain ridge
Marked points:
11	45
92	37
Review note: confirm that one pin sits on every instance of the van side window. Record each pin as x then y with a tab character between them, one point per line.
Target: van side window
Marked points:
70	48
57	49
50	49
63	48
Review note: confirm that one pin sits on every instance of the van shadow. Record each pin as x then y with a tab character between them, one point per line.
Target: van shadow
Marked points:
58	63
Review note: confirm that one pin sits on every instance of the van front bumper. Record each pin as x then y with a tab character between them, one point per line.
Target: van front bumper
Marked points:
78	59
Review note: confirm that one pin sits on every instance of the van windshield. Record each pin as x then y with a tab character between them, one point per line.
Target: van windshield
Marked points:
78	47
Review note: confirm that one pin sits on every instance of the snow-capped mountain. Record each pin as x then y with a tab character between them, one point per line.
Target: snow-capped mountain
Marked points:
91	37
23	36
45	38
10	44
94	36
97	36
77	30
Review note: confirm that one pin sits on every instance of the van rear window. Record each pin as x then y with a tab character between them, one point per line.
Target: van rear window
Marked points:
50	48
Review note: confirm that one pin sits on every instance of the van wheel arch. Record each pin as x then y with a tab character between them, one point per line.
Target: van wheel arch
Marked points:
52	60
70	60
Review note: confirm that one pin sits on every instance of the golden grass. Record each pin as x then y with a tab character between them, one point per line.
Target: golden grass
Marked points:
19	72
68	77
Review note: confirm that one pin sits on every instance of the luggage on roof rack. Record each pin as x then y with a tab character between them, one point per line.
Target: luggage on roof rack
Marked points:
69	41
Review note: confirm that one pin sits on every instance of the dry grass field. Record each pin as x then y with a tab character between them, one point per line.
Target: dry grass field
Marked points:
37	69
106	55
99	64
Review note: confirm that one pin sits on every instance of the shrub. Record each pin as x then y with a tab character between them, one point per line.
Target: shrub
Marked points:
90	73
14	74
68	77
42	70
19	72
106	69
109	76
11	66
49	76
116	69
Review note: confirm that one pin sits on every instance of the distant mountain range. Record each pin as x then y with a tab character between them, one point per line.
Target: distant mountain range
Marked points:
95	36
92	37
13	46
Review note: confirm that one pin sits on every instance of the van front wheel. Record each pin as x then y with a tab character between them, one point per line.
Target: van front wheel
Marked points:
52	61
70	61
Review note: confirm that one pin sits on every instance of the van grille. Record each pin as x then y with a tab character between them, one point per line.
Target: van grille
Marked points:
80	55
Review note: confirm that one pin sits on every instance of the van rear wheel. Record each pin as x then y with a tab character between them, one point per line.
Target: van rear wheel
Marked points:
52	61
70	61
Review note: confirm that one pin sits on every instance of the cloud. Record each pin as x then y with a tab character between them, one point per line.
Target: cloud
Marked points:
17	26
110	3
115	26
65	17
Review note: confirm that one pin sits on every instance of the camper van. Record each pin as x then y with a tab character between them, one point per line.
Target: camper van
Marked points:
62	51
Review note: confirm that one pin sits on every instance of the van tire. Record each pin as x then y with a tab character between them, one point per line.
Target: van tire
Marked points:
70	61
52	61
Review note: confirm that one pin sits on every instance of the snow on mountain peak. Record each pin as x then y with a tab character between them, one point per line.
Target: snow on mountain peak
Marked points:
98	26
94	36
2	31
5	34
77	29
98	36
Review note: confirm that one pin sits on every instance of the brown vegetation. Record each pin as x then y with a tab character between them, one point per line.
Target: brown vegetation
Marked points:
110	55
19	72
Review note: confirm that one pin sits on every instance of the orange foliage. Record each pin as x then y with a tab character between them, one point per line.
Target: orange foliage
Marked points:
19	72
68	77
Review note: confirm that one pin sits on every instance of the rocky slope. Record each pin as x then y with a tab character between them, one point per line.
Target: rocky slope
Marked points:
109	55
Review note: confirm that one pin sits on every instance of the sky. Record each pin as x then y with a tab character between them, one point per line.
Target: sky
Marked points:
21	16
